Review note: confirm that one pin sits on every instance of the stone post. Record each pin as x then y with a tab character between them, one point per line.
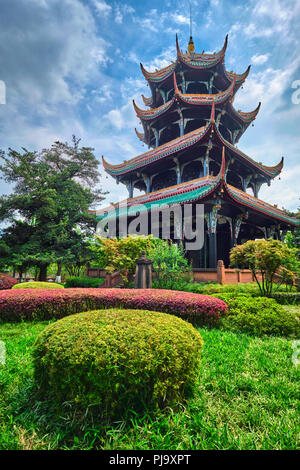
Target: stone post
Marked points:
221	272
143	274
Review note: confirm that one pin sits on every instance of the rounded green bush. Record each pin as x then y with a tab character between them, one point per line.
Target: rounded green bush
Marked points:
38	285
258	316
118	359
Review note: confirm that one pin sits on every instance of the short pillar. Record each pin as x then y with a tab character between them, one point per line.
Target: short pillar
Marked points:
221	272
107	280
143	274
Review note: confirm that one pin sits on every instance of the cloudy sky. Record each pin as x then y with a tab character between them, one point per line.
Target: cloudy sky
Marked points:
72	67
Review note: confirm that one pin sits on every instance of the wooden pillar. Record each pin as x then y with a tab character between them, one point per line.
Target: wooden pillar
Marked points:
212	243
130	189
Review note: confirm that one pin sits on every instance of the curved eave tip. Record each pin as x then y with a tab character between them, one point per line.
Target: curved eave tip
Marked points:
177	46
225	44
105	164
144	71
257	109
137	110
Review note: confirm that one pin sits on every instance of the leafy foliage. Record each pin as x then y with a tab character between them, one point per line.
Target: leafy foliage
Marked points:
264	258
47	214
118	360
38	285
48	304
258	316
120	254
83	282
287	298
6	282
170	265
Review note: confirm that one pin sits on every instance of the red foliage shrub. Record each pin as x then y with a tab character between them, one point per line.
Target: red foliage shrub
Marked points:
7	282
30	304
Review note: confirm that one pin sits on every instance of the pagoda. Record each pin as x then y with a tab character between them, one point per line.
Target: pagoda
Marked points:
192	130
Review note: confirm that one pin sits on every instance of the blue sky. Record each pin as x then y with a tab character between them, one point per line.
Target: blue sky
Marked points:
72	67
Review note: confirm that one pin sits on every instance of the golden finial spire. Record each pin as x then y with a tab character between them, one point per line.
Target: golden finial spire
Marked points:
191	46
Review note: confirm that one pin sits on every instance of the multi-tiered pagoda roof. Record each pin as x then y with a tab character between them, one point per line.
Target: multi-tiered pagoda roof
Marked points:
192	129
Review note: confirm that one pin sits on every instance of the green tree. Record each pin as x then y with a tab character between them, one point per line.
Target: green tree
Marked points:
169	264
264	258
120	254
53	191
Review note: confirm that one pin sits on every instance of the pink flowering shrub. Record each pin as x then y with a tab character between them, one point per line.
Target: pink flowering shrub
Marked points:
7	282
31	304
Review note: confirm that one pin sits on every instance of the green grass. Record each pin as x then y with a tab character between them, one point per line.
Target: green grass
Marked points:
247	398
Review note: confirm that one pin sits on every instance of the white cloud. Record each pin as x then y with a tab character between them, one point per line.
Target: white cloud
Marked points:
259	59
180	19
162	60
102	8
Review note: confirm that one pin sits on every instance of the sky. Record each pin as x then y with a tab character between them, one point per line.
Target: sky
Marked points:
72	67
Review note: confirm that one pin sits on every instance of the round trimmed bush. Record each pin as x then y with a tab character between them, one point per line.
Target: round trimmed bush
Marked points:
259	316
7	282
38	285
118	359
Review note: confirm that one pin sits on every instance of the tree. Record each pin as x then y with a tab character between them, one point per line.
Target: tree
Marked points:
169	264
53	191
264	258
120	254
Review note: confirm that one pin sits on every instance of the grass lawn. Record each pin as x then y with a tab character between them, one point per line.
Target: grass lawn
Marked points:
247	398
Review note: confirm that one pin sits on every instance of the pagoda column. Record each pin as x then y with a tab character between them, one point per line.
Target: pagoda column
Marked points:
183	85
256	188
178	170
147	180
156	134
236	229
129	186
245	182
163	94
212	233
211	82
235	133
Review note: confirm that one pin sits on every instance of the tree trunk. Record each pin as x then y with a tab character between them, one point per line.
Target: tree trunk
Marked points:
43	273
58	274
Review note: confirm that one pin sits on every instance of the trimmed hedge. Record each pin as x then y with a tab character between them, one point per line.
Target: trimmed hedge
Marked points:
83	282
259	316
287	298
118	359
38	285
7	282
27	304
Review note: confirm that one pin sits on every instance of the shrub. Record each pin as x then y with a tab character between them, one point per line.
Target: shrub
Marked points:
118	359
7	282
47	304
287	298
259	316
38	285
120	254
264	258
83	282
170	265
